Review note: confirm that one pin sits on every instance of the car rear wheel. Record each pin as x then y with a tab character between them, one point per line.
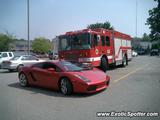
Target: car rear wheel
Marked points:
23	80
66	86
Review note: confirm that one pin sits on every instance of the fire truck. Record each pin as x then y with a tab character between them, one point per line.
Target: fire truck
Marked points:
99	47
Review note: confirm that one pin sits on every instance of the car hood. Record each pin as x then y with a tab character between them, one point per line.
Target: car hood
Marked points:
92	75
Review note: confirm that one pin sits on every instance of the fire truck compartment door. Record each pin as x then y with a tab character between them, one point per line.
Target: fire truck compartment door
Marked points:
117	47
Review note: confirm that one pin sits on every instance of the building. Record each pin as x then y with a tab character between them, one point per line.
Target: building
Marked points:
20	45
139	44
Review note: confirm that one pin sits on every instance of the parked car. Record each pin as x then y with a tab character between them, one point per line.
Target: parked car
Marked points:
5	56
64	76
16	62
141	52
154	52
134	53
40	55
53	56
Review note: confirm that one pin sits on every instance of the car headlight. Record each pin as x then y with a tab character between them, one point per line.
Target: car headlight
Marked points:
82	78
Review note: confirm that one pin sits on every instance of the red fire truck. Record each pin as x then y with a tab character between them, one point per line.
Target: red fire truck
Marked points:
99	47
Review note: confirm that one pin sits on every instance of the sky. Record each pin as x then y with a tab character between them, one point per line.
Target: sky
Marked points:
50	18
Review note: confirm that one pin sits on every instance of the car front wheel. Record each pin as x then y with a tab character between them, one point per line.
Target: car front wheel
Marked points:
66	86
23	80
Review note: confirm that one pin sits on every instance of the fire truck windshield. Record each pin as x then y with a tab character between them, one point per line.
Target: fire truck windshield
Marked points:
75	42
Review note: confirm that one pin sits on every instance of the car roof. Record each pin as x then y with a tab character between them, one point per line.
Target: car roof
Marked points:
56	62
27	55
6	52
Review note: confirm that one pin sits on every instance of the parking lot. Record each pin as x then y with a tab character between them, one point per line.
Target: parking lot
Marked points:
133	88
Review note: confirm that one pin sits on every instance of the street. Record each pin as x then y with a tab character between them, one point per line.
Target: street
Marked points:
133	88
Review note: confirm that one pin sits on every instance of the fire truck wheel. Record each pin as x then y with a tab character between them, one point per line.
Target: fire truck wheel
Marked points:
104	64
124	61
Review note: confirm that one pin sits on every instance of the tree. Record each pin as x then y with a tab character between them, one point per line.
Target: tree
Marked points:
41	45
154	22
146	38
155	46
105	25
5	41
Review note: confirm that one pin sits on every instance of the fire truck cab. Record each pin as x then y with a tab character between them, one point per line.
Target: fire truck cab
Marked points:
99	47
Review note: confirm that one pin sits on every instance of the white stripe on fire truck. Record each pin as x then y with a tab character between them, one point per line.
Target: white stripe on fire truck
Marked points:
93	59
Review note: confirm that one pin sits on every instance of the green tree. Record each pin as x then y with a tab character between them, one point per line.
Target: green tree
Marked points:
154	22
146	37
41	45
105	25
155	46
5	41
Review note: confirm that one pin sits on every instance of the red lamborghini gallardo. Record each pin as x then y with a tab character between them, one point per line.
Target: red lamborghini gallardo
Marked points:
64	76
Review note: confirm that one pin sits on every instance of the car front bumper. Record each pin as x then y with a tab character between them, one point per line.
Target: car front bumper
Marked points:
91	87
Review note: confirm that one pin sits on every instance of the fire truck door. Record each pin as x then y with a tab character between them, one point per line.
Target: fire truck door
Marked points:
103	45
96	44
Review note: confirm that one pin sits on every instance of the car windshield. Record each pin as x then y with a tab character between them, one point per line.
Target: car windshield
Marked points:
29	57
75	42
51	53
67	66
15	58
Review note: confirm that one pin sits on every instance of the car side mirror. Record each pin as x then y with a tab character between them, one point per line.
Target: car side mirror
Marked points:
51	69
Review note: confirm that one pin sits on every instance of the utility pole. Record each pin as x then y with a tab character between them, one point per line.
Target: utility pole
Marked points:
28	27
136	17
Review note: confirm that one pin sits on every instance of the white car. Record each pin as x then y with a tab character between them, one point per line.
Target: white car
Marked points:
19	61
134	54
5	56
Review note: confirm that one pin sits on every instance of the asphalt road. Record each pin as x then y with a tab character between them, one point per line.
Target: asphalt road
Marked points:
135	88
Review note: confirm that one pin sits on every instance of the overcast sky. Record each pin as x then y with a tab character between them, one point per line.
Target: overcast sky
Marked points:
50	18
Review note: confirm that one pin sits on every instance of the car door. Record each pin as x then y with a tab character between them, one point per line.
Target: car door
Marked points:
45	78
27	60
10	54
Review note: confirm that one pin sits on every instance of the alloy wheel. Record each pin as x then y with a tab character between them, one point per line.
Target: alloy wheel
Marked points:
64	86
23	80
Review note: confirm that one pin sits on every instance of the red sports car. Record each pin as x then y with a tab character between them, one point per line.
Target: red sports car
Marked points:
64	76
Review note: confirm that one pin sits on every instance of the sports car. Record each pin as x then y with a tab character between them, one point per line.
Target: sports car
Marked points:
64	76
